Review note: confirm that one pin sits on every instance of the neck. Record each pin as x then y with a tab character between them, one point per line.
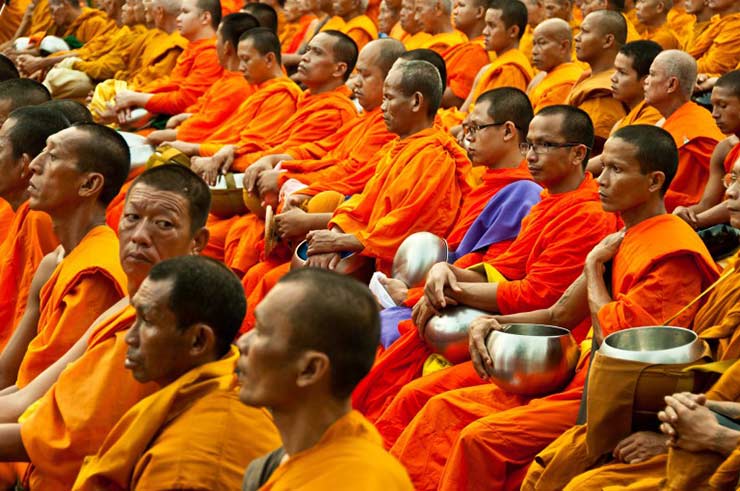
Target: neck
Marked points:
475	30
508	48
332	84
632	103
16	197
603	63
667	108
276	73
205	33
350	15
420	124
302	428
658	22
443	26
169	25
72	225
567	184
509	160
638	215
704	15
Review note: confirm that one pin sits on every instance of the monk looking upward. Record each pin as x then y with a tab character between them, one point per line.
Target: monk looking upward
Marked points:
188	311
495	435
551	52
305	378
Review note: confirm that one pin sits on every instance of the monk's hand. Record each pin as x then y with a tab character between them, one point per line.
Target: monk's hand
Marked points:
421	313
126	99
323	242
397	289
177	120
687	215
189	149
161	136
29	64
252	175
639	447
606	249
441	281
292	223
479	330
704	82
689	423
324	261
207	168
267	182
295	200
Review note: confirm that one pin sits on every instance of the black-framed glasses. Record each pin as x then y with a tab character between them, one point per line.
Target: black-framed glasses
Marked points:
472	129
543	147
729	179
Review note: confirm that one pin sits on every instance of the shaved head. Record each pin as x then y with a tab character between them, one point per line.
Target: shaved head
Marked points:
556	29
682	66
389	50
423	77
171	7
610	22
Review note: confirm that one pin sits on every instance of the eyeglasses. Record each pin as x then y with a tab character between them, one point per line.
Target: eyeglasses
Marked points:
729	179
544	147
472	129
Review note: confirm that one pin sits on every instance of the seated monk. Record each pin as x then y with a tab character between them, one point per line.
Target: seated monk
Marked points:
590	6
79	403
702	14
81	169
668	89
711	209
435	18
413	35
322	11
305	378
716	49
193	432
223	98
551	51
535	15
388	16
196	69
350	19
530	274
505	23
653	16
493	434
465	59
298	17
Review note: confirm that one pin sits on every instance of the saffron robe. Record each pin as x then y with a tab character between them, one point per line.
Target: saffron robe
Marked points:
415	41
41	20
112	58
464	60
663	35
152	58
89	24
11	19
717	48
643	113
593	94
196	70
696	135
680	22
491	435
444	40
361	29
73	418
87	282
30	238
199	412
555	87
7	214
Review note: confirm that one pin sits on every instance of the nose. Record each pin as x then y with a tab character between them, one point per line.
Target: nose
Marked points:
140	235
132	335
531	155
243	343
35	165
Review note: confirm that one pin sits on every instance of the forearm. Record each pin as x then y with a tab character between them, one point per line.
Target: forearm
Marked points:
318	221
727	408
713	216
477	295
467	276
598	295
724	440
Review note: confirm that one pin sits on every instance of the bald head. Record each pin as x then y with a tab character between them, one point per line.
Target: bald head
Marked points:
610	22
680	65
422	77
20	92
170	7
386	51
552	41
554	28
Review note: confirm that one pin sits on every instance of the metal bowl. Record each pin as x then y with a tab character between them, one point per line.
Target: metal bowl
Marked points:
532	359
416	255
226	197
254	202
447	333
138	118
654	344
352	264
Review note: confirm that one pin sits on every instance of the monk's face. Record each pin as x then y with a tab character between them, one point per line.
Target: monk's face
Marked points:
497	35
425	14
548	51
622	185
139	11
387	18
344	7
589	41
649	11
61	12
726	110
255	66
549	161
558	9
627	86
158	350
292	11
733	196
466	13
486	138
149	6
694	6
368	79
408	17
589	6
658	83
399	110
191	19
12	169
318	66
128	16
720	5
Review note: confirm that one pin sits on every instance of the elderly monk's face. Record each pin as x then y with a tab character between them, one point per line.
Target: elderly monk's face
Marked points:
648	11
557	9
549	161
386	18
726	110
368	79
622	185
425	14
60	12
535	11
465	14
626	86
12	170
484	142
344	7
157	349
269	367
408	17
588	6
733	196
318	65
399	110
547	50
657	83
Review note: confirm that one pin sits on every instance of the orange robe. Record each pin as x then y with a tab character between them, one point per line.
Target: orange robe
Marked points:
546	257
7	214
111	58
696	135
663	35
555	87
415	41
526	42
87	282
680	22
11	19
488	435
214	107
640	114
717	48
593	94
464	61
292	45
90	23
398	33
632	33
444	40
196	70
41	20
697	28
349	451
151	57
144	450
73	418
30	238
361	29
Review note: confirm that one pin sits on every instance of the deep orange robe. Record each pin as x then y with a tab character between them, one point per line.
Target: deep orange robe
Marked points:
696	135
7	214
87	282
464	61
361	29
489	435
151	58
593	94
555	87
30	238
196	70
73	418
640	114
297	39
717	48
144	450
445	40
546	257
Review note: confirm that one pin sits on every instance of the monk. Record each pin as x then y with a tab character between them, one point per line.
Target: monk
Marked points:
81	169
390	13
223	98
435	18
532	263
590	6
668	88
197	67
601	37
535	15
12	16
297	19
653	15
702	15
494	434
464	60
717	49
91	394
551	54
305	378
187	353
265	15
412	35
350	19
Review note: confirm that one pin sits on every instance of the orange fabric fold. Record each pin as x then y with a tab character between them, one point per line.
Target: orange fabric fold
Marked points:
593	94
555	87
717	48
640	114
152	58
464	60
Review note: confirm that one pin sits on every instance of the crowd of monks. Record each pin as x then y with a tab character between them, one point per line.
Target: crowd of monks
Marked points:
580	159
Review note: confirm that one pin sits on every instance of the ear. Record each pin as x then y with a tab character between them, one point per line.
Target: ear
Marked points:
480	13
510	131
92	184
270	59
203	339
313	366
417	101
673	85
608	41
199	241
340	70
513	32
207	19
579	154
25	162
657	178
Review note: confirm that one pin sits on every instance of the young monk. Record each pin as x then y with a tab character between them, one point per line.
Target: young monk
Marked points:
495	435
551	52
306	379
187	352
668	88
435	18
653	15
81	169
164	217
350	19
601	37
223	98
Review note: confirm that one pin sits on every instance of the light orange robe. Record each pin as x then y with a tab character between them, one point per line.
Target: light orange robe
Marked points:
593	94
464	61
663	35
7	214
199	412
11	19
717	48
689	40
89	24
696	135
640	114
632	33
350	451
361	29
87	282
73	418
151	57
486	434
680	22
415	41
555	87
398	33
444	40
196	70
41	20
30	238
112	56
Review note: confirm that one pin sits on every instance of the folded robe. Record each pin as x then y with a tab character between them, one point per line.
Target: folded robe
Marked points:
642	113
717	48
464	60
555	87
593	94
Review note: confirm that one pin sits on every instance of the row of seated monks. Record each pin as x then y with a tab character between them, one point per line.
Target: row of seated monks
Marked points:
561	149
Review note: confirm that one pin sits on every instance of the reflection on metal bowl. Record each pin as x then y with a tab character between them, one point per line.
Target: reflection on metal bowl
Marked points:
532	359
654	344
138	119
355	265
416	255
447	333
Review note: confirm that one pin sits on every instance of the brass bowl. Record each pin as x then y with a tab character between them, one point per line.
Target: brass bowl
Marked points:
416	256
654	344
532	359
352	264
254	203
447	333
226	197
